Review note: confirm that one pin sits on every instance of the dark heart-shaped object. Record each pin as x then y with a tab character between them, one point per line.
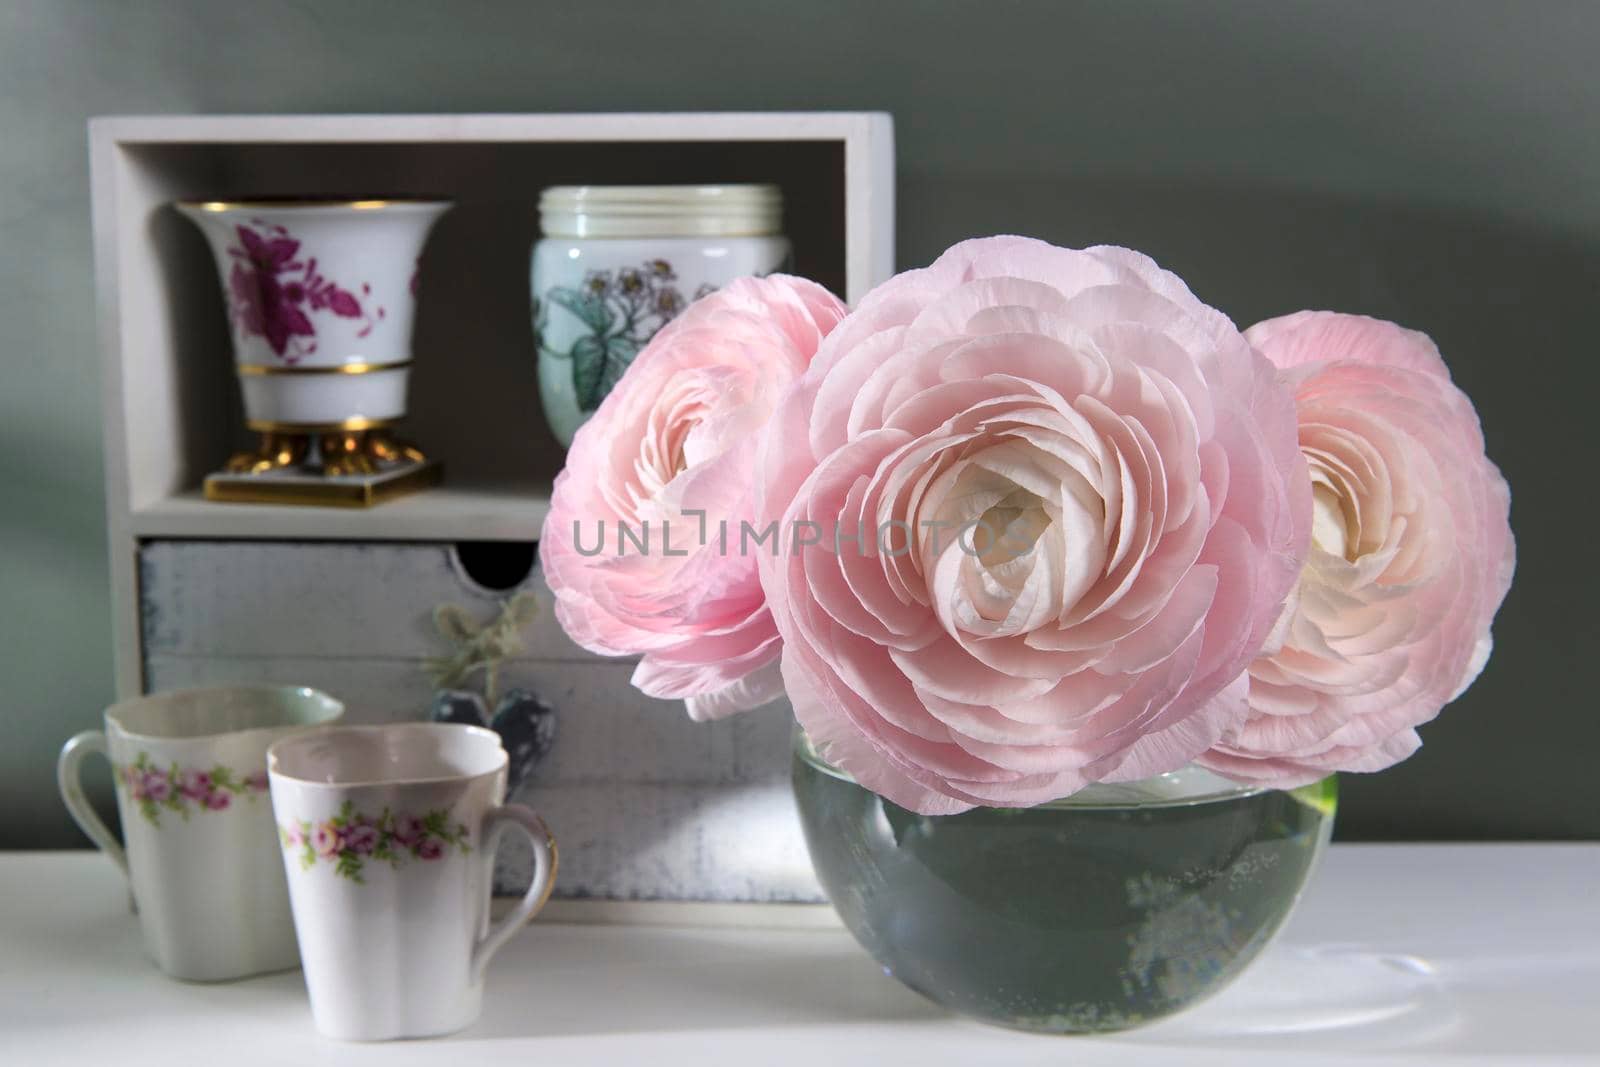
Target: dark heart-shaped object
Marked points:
527	729
459	706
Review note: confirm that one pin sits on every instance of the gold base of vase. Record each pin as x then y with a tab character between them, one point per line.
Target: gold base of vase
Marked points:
339	465
359	447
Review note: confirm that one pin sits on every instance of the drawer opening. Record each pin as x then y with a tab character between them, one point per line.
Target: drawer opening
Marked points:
495	566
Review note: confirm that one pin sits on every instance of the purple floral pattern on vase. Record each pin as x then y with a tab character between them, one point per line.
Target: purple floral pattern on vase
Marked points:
181	790
274	292
350	839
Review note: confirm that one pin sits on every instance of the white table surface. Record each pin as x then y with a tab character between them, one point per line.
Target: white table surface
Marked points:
1405	954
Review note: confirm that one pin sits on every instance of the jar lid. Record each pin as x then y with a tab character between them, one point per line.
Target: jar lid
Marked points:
661	211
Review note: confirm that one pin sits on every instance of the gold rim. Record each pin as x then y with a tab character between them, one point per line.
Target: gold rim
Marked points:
555	867
357	422
311	202
341	368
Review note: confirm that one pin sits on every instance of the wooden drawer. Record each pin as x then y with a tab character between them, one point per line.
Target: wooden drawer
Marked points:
646	805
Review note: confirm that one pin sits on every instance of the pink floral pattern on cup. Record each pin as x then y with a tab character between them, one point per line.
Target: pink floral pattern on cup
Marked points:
273	293
184	789
349	839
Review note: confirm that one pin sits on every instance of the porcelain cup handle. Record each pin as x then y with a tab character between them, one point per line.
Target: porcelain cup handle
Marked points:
69	780
495	824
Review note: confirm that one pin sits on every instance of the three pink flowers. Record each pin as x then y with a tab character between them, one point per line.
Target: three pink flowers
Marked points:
1033	517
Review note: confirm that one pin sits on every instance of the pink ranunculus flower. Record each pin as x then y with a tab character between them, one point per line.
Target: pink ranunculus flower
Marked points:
430	848
1059	505
668	463
217	800
1411	555
326	840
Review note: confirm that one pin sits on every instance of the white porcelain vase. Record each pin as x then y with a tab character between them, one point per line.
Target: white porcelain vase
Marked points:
321	298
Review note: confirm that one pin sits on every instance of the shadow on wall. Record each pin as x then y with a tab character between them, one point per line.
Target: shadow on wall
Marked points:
1510	310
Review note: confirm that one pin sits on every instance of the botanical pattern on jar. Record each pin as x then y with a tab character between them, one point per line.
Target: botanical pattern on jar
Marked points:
349	839
620	310
274	292
184	789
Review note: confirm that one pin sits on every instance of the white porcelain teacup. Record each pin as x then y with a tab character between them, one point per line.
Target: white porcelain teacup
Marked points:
201	850
389	835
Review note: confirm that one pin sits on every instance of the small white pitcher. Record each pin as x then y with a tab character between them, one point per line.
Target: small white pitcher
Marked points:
201	850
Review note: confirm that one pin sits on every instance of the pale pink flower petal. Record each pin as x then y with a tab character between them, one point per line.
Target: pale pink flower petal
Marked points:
1143	508
1411	555
672	451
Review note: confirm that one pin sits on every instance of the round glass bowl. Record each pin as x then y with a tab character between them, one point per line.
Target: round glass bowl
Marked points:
1106	910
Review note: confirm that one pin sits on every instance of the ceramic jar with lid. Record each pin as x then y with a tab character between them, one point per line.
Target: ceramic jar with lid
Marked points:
616	263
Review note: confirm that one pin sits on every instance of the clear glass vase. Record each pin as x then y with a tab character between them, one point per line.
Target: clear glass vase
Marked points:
1106	910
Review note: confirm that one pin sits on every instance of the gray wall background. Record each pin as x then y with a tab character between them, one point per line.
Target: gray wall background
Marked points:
1435	163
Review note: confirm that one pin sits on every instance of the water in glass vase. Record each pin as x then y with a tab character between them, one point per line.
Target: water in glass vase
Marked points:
1107	910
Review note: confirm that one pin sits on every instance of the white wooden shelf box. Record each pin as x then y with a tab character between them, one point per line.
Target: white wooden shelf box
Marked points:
653	807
